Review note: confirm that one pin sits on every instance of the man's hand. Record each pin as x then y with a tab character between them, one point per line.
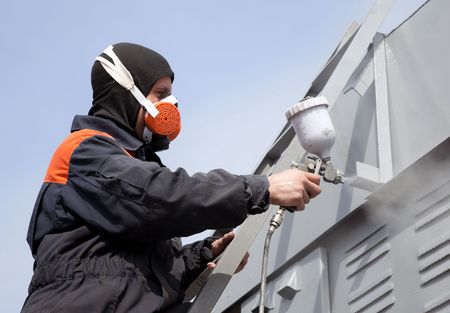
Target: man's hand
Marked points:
219	245
293	188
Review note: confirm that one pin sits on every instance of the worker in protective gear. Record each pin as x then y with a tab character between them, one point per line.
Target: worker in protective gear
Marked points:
105	228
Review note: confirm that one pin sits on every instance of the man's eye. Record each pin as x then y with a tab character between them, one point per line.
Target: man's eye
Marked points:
162	95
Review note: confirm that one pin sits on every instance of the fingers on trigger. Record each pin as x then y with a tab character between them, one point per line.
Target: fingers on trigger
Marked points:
306	197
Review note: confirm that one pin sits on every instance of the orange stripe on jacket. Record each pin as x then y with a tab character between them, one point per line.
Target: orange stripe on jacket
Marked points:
58	170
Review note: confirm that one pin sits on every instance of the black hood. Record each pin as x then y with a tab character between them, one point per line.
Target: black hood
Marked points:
113	102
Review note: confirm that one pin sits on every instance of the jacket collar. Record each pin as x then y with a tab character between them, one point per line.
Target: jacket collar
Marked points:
125	139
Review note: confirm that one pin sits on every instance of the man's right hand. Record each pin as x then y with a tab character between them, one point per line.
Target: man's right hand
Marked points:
293	188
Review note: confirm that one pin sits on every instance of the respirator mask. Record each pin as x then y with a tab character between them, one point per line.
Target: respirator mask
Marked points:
162	118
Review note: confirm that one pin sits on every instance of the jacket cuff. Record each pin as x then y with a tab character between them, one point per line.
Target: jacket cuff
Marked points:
196	256
258	187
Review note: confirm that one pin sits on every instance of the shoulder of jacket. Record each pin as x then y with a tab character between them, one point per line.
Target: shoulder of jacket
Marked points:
58	169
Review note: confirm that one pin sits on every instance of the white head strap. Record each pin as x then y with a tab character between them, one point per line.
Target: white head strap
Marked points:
119	72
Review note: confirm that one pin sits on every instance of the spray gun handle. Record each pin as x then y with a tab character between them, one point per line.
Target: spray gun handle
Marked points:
302	167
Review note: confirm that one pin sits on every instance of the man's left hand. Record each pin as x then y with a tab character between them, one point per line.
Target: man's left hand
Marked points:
219	245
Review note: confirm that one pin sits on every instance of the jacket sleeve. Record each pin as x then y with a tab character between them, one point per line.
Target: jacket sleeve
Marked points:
196	257
142	201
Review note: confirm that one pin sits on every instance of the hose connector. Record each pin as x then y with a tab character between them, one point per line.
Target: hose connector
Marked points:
277	219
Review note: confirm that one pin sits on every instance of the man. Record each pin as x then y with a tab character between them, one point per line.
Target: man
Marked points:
105	227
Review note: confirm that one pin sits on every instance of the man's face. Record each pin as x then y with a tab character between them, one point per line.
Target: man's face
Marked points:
160	90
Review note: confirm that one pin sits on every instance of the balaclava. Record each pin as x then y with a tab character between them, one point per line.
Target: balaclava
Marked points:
112	101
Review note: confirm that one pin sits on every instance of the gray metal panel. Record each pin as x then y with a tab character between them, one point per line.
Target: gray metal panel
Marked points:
320	81
395	242
418	64
357	136
308	282
356	50
395	245
382	104
333	77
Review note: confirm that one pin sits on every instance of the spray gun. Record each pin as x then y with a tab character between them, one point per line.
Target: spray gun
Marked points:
315	131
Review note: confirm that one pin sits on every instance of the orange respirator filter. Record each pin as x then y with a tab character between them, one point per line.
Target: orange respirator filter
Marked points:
167	122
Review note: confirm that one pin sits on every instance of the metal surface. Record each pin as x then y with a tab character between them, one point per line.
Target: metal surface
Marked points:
394	245
287	133
356	50
322	78
302	287
368	177
334	86
380	245
382	109
224	270
418	64
340	72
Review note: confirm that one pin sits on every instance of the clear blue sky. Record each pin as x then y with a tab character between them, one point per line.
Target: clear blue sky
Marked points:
238	66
